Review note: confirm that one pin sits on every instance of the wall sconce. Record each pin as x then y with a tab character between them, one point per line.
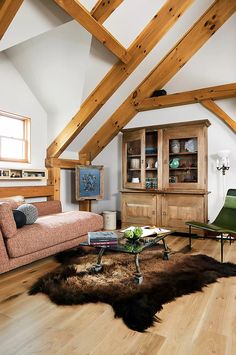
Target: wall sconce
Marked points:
222	162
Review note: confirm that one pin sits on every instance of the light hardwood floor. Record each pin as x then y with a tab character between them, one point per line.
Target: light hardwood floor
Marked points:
199	324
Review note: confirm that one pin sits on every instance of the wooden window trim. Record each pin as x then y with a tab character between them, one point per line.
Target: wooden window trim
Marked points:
25	139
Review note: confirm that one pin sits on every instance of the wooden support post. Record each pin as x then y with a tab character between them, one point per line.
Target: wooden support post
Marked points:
104	8
214	108
54	180
80	14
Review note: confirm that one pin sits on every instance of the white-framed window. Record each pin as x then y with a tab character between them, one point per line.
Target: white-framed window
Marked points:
14	138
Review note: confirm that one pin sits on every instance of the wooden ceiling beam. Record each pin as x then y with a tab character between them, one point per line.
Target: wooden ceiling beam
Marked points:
139	49
80	14
216	15
104	8
214	108
61	163
8	10
27	191
188	97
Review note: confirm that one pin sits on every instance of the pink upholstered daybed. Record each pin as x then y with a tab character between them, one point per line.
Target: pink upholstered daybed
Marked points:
53	231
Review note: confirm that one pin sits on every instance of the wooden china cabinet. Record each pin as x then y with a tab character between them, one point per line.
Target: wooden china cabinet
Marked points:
164	171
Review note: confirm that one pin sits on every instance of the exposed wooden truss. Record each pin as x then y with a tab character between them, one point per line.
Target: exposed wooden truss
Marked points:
8	10
214	108
216	15
104	8
139	49
188	97
80	14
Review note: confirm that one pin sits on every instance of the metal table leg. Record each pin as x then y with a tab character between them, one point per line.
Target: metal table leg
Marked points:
138	277
98	266
166	254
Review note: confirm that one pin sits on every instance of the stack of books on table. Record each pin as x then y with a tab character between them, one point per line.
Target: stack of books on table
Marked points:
102	238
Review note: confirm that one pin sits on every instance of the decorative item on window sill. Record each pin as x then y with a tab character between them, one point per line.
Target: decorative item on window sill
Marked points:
222	162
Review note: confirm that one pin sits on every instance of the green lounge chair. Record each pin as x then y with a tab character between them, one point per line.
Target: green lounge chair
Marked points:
225	222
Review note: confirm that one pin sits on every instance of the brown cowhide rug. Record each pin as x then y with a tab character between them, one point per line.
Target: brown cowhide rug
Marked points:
164	280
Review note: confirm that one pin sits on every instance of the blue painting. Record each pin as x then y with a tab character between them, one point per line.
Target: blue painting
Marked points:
89	182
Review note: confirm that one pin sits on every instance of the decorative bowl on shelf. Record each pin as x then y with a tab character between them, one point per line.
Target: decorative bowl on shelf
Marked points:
191	145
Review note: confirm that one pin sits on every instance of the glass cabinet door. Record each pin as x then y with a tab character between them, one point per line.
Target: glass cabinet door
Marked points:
182	165
134	159
151	160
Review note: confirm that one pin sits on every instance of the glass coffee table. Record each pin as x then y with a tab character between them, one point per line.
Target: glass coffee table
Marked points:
135	248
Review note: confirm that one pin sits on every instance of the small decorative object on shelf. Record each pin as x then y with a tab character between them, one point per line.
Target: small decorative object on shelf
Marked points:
191	145
23	174
174	163
175	146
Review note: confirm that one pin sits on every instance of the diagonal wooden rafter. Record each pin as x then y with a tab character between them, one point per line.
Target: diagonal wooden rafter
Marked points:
80	14
8	10
188	97
104	8
216	15
139	49
214	108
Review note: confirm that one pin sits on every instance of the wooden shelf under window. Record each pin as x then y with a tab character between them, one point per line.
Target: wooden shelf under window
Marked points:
23	174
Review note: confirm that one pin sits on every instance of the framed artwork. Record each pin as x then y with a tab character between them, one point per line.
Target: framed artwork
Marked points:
89	182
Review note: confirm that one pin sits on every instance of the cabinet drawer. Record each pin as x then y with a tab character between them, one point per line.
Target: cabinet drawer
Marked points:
179	208
138	209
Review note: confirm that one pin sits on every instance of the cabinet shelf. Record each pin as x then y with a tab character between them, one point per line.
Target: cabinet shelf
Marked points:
151	154
191	168
134	155
183	153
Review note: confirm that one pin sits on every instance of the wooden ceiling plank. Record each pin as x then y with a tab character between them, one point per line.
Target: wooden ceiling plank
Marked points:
80	14
188	97
8	10
139	49
214	108
216	15
104	8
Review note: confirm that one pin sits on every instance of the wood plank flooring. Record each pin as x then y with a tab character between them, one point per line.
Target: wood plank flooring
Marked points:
199	324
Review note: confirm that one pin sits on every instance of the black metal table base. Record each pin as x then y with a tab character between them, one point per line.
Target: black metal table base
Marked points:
138	277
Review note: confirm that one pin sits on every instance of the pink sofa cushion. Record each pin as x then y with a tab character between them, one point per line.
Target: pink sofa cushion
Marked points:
52	230
7	222
48	207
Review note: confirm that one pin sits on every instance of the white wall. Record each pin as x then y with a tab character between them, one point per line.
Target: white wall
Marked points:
53	65
33	18
16	97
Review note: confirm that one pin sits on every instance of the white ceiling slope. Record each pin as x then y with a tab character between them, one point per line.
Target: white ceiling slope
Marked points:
53	65
33	18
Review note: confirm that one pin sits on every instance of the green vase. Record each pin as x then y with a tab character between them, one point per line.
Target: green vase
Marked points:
174	163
